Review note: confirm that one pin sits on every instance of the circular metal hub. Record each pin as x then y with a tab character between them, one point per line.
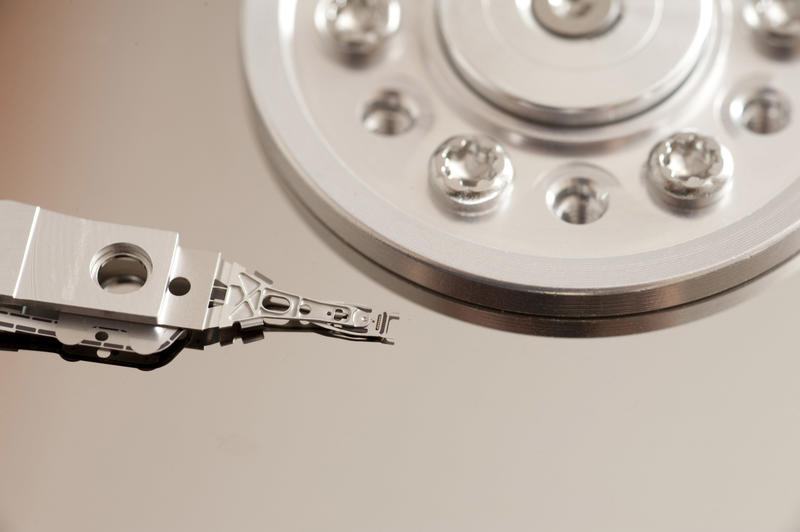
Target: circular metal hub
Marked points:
618	73
644	162
577	18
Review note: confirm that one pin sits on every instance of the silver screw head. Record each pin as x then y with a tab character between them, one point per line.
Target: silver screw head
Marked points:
473	173
690	171
577	19
358	27
776	22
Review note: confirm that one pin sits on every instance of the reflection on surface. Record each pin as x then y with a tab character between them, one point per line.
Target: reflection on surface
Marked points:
520	323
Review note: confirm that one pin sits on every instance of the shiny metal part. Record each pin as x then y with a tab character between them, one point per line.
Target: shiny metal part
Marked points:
585	232
649	54
358	27
577	18
254	305
763	111
580	193
137	111
775	22
690	171
473	173
133	296
389	113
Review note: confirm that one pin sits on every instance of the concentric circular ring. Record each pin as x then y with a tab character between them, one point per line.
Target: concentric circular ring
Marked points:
647	55
498	278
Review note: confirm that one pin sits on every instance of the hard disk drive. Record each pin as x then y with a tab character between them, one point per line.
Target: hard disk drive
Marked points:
559	235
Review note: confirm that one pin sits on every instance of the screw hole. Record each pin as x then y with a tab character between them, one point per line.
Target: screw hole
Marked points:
577	201
390	113
305	309
179	286
764	111
121	268
101	336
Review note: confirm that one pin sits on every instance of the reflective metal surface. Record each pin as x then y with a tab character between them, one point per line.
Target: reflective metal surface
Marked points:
472	174
577	18
642	253
690	171
623	64
137	113
357	27
125	286
775	22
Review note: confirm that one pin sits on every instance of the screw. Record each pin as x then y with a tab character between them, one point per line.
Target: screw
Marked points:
358	27
690	171
577	19
474	173
776	22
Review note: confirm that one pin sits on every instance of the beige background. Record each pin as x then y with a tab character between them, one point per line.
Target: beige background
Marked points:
136	112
